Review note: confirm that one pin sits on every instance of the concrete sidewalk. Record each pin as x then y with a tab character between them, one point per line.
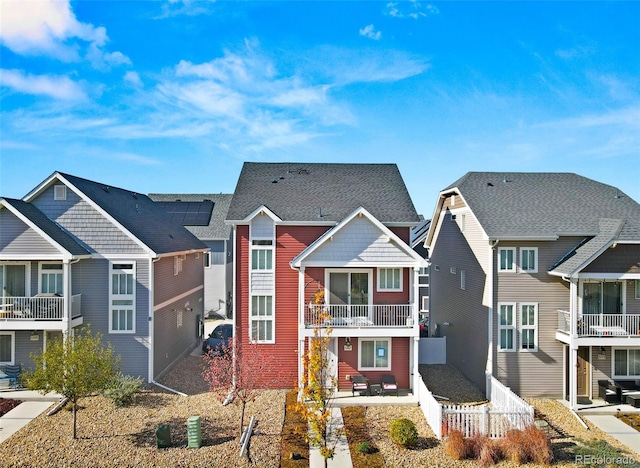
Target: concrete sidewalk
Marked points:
20	416
617	429
342	454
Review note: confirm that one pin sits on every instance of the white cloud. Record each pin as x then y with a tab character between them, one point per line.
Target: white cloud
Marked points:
49	27
411	9
57	87
370	32
133	78
186	8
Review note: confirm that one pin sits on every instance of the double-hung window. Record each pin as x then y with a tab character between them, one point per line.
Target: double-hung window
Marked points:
389	279
51	278
507	327
626	363
262	319
374	354
507	259
262	254
528	327
529	259
122	299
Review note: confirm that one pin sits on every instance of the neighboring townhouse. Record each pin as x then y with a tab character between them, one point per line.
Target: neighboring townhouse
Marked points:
339	229
418	235
535	280
75	252
204	216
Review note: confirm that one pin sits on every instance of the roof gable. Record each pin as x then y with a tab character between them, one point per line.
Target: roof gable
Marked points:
357	240
50	231
135	214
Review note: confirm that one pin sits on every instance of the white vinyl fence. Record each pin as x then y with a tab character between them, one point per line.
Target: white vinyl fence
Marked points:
507	411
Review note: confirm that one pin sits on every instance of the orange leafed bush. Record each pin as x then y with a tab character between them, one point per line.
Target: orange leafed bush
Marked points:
455	446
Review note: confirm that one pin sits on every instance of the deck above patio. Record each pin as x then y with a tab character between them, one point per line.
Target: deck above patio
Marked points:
601	325
359	316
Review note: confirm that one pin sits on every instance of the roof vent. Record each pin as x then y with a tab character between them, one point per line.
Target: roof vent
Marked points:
320	215
618	196
134	195
274	181
505	180
489	184
105	188
303	171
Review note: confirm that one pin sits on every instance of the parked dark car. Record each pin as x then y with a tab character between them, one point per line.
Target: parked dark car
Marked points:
218	340
424	327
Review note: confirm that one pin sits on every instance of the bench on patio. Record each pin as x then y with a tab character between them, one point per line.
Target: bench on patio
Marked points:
617	391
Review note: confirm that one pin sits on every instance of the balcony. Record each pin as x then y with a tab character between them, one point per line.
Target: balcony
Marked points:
601	325
359	316
40	307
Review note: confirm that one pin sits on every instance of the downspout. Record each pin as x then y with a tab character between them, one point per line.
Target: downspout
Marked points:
301	325
415	344
573	349
152	262
489	368
229	397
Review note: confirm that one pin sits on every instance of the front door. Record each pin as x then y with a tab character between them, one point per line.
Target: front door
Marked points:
583	371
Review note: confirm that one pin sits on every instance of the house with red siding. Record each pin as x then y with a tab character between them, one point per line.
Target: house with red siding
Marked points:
339	229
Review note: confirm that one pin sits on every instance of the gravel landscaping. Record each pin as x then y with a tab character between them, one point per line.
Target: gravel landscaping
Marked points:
111	436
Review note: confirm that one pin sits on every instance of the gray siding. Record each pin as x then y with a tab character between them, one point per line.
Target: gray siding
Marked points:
91	279
86	223
623	258
467	334
16	238
167	285
600	368
25	346
534	373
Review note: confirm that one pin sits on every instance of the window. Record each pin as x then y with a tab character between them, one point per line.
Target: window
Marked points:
389	279
7	348
506	327
463	279
506	259
59	192
262	319
637	289
374	354
177	264
528	327
463	222
262	255
425	303
122	310
529	259
51	278
207	259
626	362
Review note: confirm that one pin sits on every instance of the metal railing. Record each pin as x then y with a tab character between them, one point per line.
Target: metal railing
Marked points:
357	316
39	307
601	325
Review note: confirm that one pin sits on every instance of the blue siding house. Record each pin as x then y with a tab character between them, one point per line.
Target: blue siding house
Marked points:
75	252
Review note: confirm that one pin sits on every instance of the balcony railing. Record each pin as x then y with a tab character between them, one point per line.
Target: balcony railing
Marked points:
38	307
601	325
359	316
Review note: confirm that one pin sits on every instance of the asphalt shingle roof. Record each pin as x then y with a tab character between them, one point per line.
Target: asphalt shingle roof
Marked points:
512	205
139	215
300	192
49	227
216	229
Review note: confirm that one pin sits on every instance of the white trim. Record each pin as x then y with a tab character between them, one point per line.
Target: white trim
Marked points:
59	192
523	328
463	280
27	273
151	320
400	271
12	334
131	296
263	318
512	327
327	282
523	250
609	276
512	268
424	302
374	339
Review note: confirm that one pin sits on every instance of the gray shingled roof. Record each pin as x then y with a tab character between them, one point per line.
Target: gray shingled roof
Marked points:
299	192
140	216
540	205
217	229
49	227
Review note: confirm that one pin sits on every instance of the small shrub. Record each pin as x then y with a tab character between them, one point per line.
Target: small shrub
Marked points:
365	448
490	453
455	446
403	431
122	389
514	445
538	444
474	445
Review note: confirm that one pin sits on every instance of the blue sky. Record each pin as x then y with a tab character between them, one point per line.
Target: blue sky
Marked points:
174	96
